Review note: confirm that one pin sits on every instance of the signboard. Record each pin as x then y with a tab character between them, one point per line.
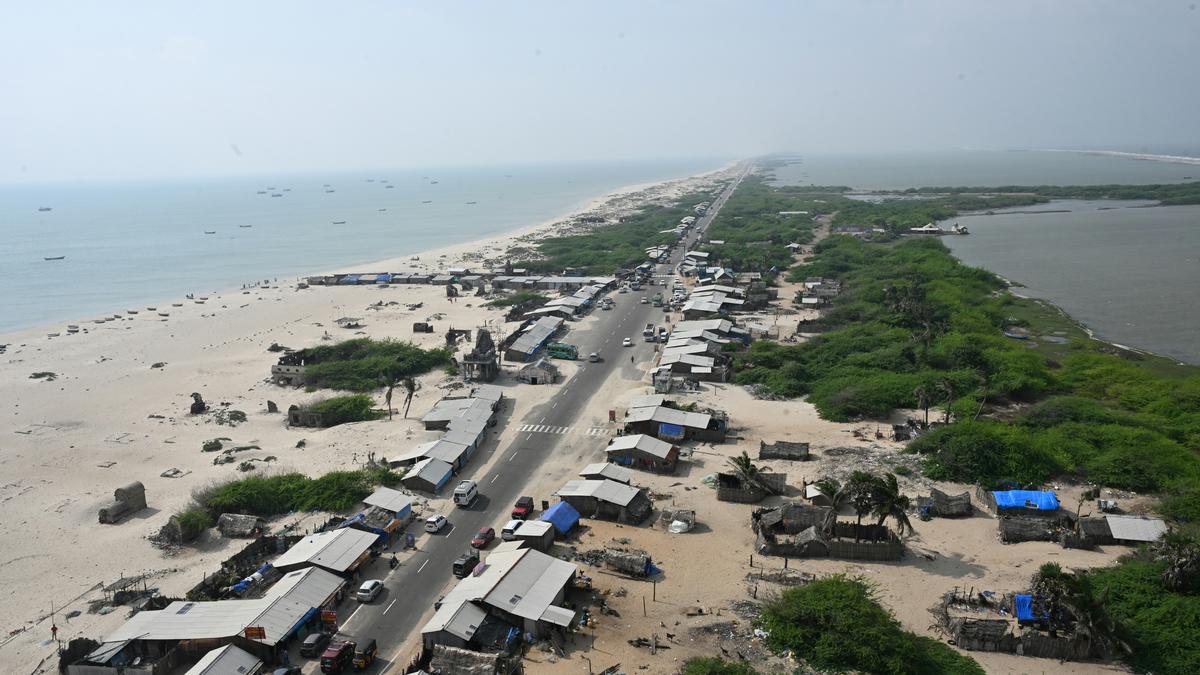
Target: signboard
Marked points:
255	633
329	615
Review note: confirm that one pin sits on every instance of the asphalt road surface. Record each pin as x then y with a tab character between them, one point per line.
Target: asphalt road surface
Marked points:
558	426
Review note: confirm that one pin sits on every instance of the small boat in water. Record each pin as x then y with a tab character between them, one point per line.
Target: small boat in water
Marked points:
210	232
472	202
246	226
427	201
56	257
44	209
383	209
390	187
433	182
328	191
276	194
262	192
339	222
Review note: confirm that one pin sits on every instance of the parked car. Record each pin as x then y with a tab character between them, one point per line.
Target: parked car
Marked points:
626	342
370	589
364	653
464	563
594	357
644	301
485	537
314	644
435	524
509	532
523	508
606	306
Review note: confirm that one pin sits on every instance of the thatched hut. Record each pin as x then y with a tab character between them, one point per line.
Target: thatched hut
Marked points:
453	660
633	563
941	505
240	525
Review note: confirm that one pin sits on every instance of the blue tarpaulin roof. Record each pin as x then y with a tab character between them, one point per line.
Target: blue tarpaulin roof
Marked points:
670	430
1026	499
350	279
383	278
1025	609
562	516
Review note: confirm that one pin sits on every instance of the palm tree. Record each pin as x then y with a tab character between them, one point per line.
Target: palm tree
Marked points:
924	399
410	388
946	386
833	490
1067	601
390	381
1182	557
889	503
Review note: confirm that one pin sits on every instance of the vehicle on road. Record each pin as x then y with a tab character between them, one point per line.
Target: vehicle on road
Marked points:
606	306
627	342
434	524
593	358
287	670
523	508
364	653
662	333
464	563
337	656
648	333
465	493
622	290
314	644
370	589
562	350
510	530
484	537
643	301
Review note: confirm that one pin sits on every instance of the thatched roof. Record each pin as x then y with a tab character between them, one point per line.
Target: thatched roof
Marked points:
941	504
454	661
238	525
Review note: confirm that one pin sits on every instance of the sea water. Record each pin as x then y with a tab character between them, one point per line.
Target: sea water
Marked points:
127	245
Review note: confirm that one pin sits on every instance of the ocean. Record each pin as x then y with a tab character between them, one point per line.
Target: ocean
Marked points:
1130	274
126	245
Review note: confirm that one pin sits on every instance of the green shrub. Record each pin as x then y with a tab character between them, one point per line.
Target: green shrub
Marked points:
837	624
212	445
363	364
715	666
192	523
344	409
284	493
519	298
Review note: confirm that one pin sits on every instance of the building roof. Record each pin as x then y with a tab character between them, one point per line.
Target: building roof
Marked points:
433	471
523	582
227	660
488	392
604	490
647	401
609	471
335	550
1135	528
665	415
537	334
688	359
541	364
1026	499
713	325
278	612
446	410
642	443
447	451
389	499
533	528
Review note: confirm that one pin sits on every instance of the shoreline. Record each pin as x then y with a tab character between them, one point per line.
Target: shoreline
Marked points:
42	329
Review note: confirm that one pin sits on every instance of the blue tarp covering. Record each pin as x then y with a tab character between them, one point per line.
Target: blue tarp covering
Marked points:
1026	499
1024	605
670	430
383	278
350	279
562	516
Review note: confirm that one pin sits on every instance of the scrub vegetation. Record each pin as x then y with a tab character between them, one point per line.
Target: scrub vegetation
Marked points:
268	496
364	364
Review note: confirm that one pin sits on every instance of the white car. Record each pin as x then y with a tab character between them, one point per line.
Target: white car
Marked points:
644	301
369	590
435	523
593	358
627	342
622	290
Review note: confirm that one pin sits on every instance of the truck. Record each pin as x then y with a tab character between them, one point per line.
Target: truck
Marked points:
562	350
648	333
656	300
337	656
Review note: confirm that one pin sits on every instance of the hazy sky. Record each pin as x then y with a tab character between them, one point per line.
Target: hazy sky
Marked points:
125	89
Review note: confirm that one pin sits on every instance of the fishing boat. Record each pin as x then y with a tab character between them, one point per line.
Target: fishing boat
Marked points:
56	257
177	304
262	192
339	222
433	182
210	232
151	309
245	226
383	209
43	209
52	335
390	187
131	311
472	202
164	314
276	194
328	191
427	201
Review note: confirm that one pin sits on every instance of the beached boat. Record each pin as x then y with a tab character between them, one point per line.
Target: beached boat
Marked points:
50	335
151	309
56	257
44	209
177	304
131	311
164	314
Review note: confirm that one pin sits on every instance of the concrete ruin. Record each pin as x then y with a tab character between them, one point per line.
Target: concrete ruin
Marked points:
482	364
783	450
126	500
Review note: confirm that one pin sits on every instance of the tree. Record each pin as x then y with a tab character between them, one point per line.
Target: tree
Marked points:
890	503
410	389
833	490
860	492
747	472
390	380
1181	554
1068	604
946	386
924	399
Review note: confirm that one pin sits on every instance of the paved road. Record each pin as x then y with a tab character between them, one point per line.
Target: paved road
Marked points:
559	424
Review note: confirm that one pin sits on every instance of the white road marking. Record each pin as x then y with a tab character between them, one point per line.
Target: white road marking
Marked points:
493	480
422	566
389	606
450	530
555	405
514	456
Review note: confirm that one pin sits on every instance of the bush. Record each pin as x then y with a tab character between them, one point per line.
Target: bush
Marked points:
284	493
363	364
533	299
344	409
212	445
192	523
837	624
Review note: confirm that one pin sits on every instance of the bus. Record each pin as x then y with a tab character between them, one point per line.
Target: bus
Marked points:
562	350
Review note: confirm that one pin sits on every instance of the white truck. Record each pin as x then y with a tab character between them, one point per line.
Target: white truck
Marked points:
648	333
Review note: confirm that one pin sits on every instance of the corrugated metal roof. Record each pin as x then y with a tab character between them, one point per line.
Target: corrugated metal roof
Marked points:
389	499
533	528
227	660
430	470
647	401
559	616
488	392
447	451
531	585
609	471
1134	528
537	334
604	490
336	550
462	620
446	410
642	443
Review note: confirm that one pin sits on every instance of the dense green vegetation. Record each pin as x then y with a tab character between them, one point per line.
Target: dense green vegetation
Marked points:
1172	194
532	298
192	523
617	245
837	624
364	364
716	666
756	225
284	493
898	215
344	409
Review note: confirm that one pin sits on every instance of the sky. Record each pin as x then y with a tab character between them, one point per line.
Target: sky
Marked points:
129	90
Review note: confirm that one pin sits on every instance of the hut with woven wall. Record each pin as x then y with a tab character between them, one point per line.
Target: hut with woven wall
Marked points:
942	505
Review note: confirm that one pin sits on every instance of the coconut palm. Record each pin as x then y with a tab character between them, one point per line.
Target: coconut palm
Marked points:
1069	604
946	386
1182	557
833	490
860	493
390	381
890	503
410	389
747	472
924	400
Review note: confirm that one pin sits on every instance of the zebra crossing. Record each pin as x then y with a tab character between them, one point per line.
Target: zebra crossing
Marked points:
551	429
